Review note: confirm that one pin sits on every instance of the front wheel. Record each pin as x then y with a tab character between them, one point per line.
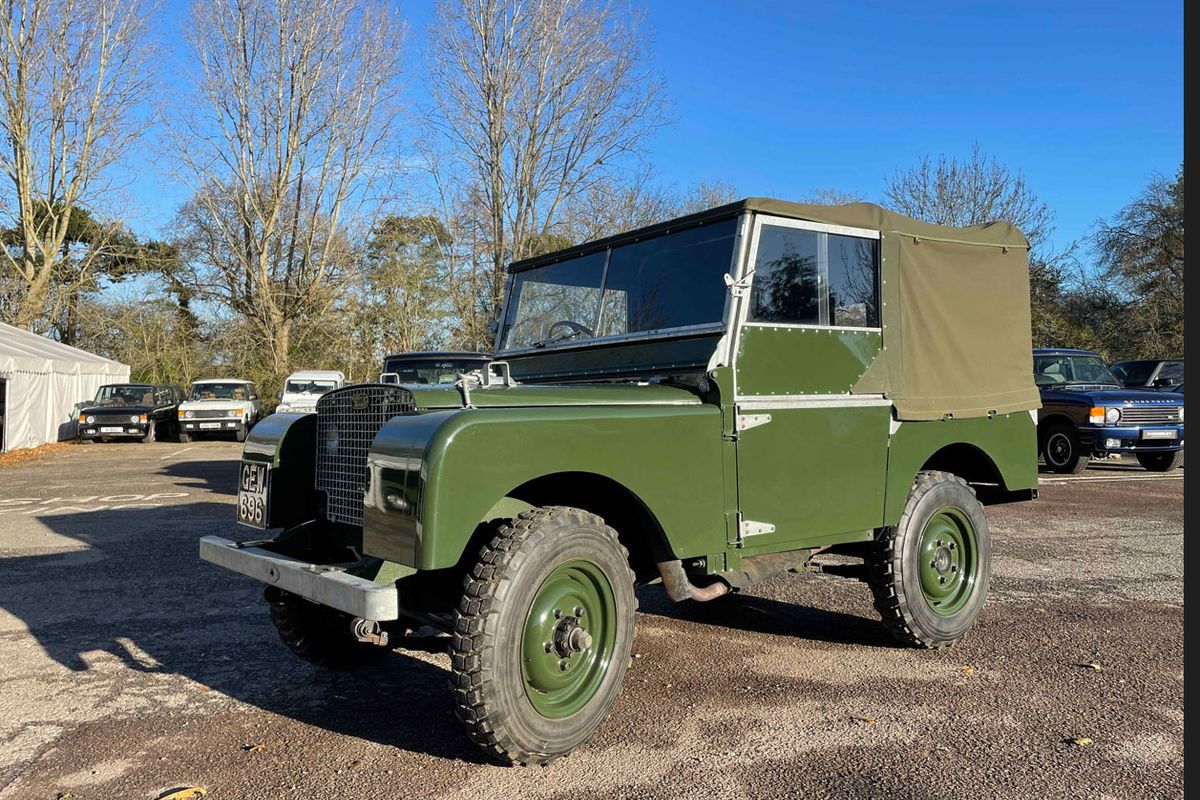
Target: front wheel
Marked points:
930	573
542	635
1062	450
151	434
185	438
1161	462
240	435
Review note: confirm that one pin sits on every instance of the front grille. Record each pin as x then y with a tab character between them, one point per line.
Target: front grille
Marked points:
347	421
1150	415
113	419
209	413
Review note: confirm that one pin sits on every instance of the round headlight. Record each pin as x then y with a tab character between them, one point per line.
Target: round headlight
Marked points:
1112	416
189	414
90	420
133	418
233	412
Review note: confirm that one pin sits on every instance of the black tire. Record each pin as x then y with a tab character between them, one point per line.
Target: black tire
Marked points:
894	567
318	634
488	679
151	433
240	434
1161	462
185	438
1062	451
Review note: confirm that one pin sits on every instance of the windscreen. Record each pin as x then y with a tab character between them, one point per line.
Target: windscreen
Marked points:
313	387
220	391
671	281
431	371
125	395
1050	371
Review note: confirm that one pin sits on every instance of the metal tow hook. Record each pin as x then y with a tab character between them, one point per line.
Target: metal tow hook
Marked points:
369	632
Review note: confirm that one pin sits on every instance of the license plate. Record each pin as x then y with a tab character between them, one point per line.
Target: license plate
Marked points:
112	430
252	495
1160	434
210	424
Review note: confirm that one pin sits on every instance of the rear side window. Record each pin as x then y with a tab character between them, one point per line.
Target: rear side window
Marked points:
805	277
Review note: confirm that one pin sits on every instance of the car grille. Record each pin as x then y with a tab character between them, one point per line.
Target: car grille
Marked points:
347	421
209	413
113	418
1150	415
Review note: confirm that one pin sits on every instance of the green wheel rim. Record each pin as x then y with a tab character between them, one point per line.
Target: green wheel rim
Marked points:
569	638
949	560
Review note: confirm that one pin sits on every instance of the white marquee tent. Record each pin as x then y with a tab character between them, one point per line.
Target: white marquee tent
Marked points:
41	380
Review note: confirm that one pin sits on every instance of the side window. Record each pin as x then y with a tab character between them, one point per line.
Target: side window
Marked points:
808	277
785	277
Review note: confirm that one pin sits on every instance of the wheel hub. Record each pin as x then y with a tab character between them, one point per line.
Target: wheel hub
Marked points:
570	637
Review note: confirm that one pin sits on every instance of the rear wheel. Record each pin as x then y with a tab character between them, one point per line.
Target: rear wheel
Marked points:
1161	462
317	633
542	635
930	573
1062	451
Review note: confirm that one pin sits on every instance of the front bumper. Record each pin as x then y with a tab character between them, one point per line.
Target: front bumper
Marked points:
131	430
1116	439
215	425
325	585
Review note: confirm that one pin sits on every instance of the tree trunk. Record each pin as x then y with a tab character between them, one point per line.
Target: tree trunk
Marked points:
33	302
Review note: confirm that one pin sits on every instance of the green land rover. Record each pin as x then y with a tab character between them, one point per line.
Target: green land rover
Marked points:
704	403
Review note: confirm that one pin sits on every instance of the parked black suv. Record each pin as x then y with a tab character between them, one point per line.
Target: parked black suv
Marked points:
131	411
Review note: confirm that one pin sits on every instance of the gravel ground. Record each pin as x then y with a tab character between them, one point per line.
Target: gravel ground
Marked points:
128	667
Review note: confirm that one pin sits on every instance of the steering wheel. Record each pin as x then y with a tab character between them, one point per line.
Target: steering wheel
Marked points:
575	327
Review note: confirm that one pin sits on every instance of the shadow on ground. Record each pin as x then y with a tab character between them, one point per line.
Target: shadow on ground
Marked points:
139	593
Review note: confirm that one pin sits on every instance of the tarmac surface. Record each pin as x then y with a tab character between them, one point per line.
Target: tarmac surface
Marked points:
128	667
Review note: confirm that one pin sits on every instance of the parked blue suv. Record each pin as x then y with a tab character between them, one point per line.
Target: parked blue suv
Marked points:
1085	412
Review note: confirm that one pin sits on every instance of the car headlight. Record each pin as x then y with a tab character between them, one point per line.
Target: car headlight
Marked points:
90	420
133	418
189	414
233	412
1112	416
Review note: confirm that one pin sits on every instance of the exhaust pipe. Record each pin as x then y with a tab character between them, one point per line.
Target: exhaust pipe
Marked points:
679	588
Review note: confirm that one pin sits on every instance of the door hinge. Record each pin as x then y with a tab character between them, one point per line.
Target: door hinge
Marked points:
748	527
747	421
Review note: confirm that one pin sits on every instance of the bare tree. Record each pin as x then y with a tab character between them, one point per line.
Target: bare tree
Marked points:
830	196
1141	254
972	191
297	100
73	78
537	101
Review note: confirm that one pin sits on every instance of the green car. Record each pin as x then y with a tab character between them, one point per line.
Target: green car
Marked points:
702	404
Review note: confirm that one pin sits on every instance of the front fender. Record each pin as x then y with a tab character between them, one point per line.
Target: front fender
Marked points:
435	476
286	443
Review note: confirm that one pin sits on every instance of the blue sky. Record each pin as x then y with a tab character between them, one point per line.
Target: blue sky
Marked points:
781	98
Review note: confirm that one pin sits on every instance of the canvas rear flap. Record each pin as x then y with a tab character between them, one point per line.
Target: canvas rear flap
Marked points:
965	339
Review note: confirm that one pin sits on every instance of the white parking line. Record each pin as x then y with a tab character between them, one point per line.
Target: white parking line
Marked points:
172	455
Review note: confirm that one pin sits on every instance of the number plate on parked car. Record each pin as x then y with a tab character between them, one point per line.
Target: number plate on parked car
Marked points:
252	495
112	430
1147	434
210	424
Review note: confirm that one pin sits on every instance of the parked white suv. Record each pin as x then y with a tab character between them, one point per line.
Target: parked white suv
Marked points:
219	405
302	389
